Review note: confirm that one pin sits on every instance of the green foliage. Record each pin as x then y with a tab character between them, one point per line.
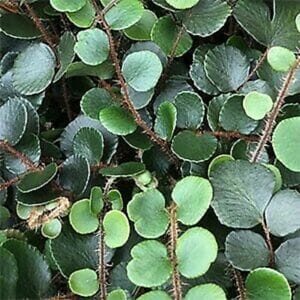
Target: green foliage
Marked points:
149	150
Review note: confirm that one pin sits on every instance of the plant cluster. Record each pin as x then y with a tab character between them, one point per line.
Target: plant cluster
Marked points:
150	149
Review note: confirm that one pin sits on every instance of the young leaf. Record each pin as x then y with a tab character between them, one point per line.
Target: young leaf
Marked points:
140	211
281	59
286	143
92	46
207	291
267	284
117	295
142	70
84	282
196	249
84	17
116	229
51	229
150	265
246	250
154	295
96	200
192	195
165	122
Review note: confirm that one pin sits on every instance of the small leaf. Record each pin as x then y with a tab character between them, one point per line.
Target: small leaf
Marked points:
140	211
117	120
92	46
298	22
33	69
190	110
201	147
116	229
281	59
124	170
115	198
287	259
233	63
88	142
286	143
165	122
81	218
35	180
150	265
84	282
243	206
207	291
155	295
192	195
142	70
267	284
117	295
217	161
96	200
51	229
182	4
196	249
67	6
282	213
164	33
257	105
10	129
84	17
246	250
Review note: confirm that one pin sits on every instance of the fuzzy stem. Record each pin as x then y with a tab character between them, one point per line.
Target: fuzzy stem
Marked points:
239	283
101	261
9	7
7	184
173	235
232	135
269	243
271	118
109	6
127	103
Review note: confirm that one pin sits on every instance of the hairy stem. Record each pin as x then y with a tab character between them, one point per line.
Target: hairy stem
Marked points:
101	261
232	135
173	235
239	283
269	243
7	184
271	118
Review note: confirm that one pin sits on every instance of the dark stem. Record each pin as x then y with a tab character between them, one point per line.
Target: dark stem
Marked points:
239	283
232	135
173	235
101	261
7	184
269	243
67	100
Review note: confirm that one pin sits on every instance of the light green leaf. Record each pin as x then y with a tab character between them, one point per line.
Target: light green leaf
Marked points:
117	295
140	210
196	249
243	206
206	17
281	59
116	229
165	122
35	180
84	282
267	284
67	6
165	32
182	4
282	213
96	200
141	30
246	250
201	147
51	229
33	69
142	70
233	63
88	142
127	169
84	17
92	46
155	295
217	161
81	218
257	105
207	291
115	199
192	195
117	120
286	143
150	265
298	22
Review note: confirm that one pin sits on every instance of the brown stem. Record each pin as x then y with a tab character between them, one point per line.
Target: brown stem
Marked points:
271	118
7	184
4	145
173	235
232	135
101	261
9	7
127	103
109	6
239	283
269	243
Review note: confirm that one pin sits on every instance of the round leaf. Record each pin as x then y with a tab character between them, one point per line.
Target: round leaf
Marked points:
84	17
84	282
217	161
117	295
33	69
196	249
286	143
155	295
51	229
124	170
67	6
281	59
142	70
207	291
267	284
282	214
92	46
182	4
116	229
81	218
140	211
96	200
246	250
150	265
201	147
193	196
257	105
117	120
